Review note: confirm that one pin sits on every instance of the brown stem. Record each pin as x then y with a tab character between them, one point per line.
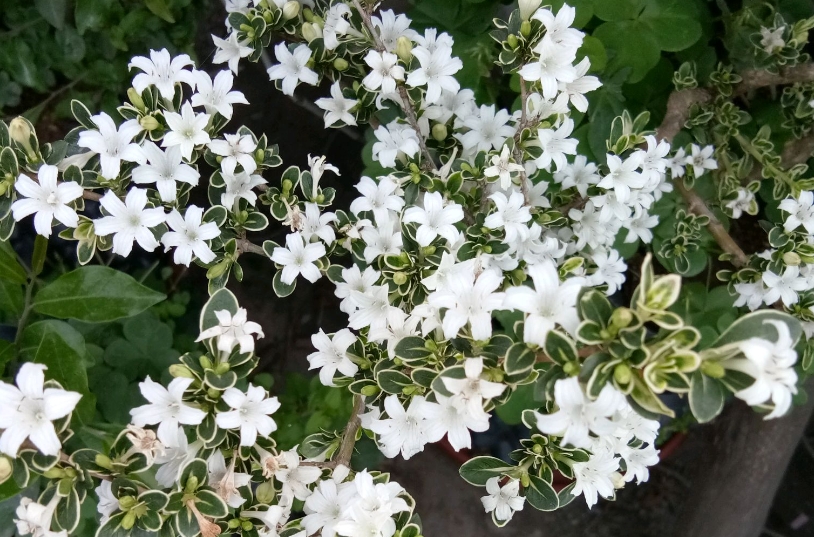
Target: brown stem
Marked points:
91	195
345	451
759	78
245	245
678	110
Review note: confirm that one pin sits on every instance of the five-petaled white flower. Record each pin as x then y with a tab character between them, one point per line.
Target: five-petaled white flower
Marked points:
403	430
129	221
471	392
555	144
250	413
469	300
437	71
332	355
594	478
216	96
434	219
187	130
35	519
298	258
511	215
189	236
164	169
239	186
801	212
112	144
379	197
337	107
292	68
233	330
503	168
384	71
784	286
294	476
46	200
235	149
701	160
166	408
162	71
230	50
623	176
27	410
503	501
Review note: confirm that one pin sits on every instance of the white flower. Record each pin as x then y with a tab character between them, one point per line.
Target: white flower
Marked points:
189	236
384	239
437	71
46	200
332	355
801	212
488	129
471	392
391	27
677	163
784	286
354	280
380	198
578	416
502	168
772	40
317	225
35	519
161	71
187	130
337	108
743	203
434	219
610	270
129	221
166	408
623	176
27	410
164	169
582	84
292	67
233	330
112	144
298	257
701	160
550	303
555	145
335	25
750	294
217	96
394	141
637	461
373	309
639	227
580	174
511	215
108	503
452	418
239	186
772	367
235	149
469	300
250	413
558	29
295	477
503	501
225	480
173	459
594	478
402	431
230	50
325	506
553	66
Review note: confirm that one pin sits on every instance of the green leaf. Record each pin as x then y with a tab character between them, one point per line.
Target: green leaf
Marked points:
707	397
560	348
11	299
759	324
594	306
160	8
412	349
95	294
210	504
541	495
478	470
53	11
519	359
618	10
222	299
10	268
635	46
281	288
673	22
511	412
62	349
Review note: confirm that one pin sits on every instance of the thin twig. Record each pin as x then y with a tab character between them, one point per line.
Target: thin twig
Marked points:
245	245
345	451
91	195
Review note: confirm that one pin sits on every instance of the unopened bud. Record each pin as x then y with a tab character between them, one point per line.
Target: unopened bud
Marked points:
149	123
525	28
404	49
128	521
127	502
370	390
524	480
3	188
265	492
311	31
287	185
439	132
512	39
290	10
213	393
621	318
428	250
341	64
792	259
192	484
622	374
268	17
5	469
234	523
180	370
135	98
103	461
246	525
400	278
222	368
528	7
570	368
537	448
54	473
307	14
205	362
20	131
713	369
217	270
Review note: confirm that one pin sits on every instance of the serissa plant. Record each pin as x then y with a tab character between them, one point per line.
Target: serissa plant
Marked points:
484	260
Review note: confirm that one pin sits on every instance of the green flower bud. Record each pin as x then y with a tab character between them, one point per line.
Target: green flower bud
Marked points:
212	393
136	99
54	473
265	492
537	449
528	7
260	155
341	64
20	131
512	39
5	469
311	31
404	49
246	525
621	318
205	362
487	249
369	391
222	368
428	250
713	369
400	278
287	185
571	369
307	14
149	123
268	17
439	132
218	269
127	502
192	484
290	10
524	479
103	461
3	188
792	259
525	28
180	370
128	521
622	374
234	523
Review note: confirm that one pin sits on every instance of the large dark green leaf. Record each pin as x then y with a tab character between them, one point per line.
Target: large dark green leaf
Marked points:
635	46
95	294
707	397
479	470
10	268
541	495
53	11
60	347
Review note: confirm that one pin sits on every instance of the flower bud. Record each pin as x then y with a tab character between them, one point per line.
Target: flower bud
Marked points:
127	502
537	448
404	49
217	270
192	484
439	132
570	369
180	370
268	17
287	186
265	492
621	318
20	131
149	123
307	14
311	31
54	473
400	278
713	369
525	28
222	368
103	461
528	7
792	259
512	40
205	362
234	523
213	393
136	99
341	64
370	390
5	469
291	9
128	521
260	155
524	479
246	525
622	374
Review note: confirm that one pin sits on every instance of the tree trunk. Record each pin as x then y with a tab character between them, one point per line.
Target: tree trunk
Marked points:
741	467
